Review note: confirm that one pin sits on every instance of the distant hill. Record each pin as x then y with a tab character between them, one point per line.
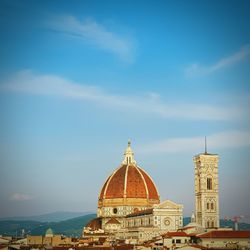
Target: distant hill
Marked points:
223	223
71	227
50	217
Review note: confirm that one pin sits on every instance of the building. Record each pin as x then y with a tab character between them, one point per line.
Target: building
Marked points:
149	223
128	189
54	240
206	190
225	239
129	205
175	239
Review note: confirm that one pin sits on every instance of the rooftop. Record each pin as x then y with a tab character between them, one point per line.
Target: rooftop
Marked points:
225	234
140	213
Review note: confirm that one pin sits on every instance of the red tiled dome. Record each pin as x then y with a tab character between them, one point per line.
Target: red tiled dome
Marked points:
128	185
129	181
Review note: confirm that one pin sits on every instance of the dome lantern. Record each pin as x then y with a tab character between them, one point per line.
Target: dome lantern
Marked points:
129	155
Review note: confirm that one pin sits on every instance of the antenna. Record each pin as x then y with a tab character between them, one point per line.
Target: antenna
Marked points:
205	145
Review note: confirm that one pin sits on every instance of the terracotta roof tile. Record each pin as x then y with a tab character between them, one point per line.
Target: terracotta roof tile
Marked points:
113	221
95	224
141	212
175	234
135	184
129	181
115	185
153	194
225	234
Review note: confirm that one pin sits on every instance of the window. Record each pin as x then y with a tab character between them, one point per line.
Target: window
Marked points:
208	205
178	241
212	224
173	241
212	206
209	183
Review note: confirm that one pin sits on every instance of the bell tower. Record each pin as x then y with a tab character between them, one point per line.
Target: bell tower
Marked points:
206	189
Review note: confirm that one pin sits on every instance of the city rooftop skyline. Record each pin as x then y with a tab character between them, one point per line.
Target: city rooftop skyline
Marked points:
79	79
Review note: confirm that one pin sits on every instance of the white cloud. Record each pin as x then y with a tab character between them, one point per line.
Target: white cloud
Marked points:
197	69
95	34
223	140
30	83
21	197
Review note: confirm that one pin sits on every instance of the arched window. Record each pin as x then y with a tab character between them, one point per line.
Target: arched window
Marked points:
212	206
207	205
212	224
208	224
209	183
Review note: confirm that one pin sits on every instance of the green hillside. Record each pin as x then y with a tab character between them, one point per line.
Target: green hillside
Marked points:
14	228
49	217
71	227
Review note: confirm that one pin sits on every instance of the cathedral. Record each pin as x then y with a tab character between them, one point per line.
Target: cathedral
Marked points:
129	205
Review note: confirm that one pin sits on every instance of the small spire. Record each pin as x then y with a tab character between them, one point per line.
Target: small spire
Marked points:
193	217
129	155
205	145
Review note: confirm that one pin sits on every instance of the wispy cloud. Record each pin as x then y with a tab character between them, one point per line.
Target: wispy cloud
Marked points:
21	197
94	34
223	140
197	69
30	83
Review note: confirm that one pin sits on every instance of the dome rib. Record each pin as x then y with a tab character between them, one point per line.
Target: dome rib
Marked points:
135	185
145	184
153	192
125	182
129	181
102	193
115	185
108	181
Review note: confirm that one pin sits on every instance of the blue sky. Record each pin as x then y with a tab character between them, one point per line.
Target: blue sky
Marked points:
78	79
